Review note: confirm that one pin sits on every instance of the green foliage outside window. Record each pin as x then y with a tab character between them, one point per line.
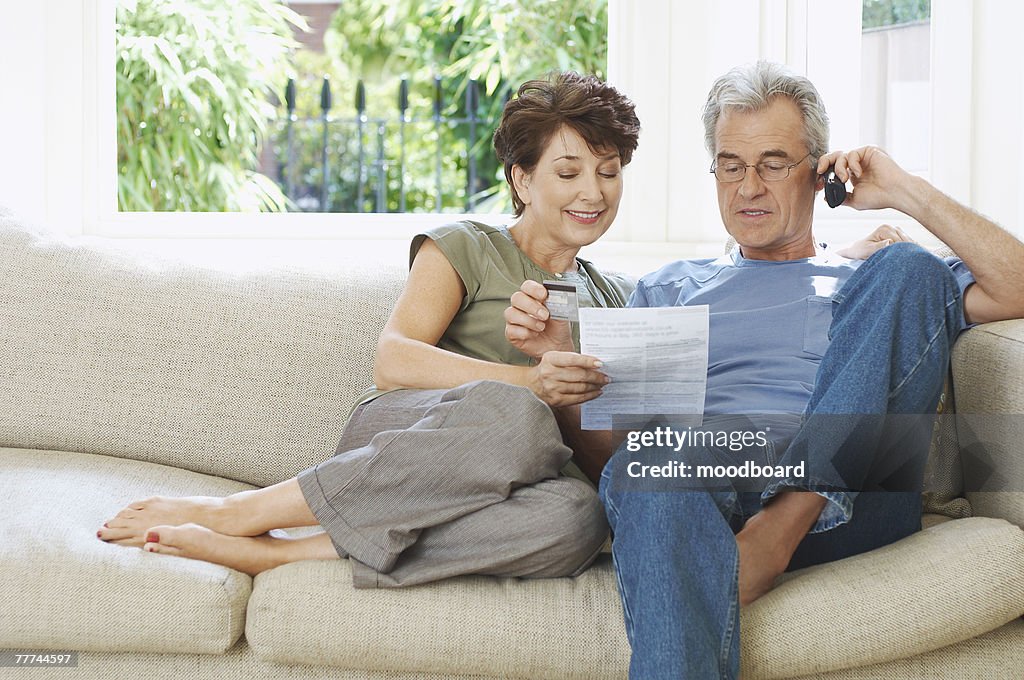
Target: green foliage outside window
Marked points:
877	13
499	43
200	88
192	109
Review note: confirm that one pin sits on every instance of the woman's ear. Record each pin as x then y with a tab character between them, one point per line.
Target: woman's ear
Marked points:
521	184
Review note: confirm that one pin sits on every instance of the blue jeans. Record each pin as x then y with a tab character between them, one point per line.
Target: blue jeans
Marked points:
864	437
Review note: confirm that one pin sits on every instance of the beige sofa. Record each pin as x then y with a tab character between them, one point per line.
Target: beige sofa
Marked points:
124	375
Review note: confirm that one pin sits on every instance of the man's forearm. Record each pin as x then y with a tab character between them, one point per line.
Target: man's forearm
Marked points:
591	448
994	256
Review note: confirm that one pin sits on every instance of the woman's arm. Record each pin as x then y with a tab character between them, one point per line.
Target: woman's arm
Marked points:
407	355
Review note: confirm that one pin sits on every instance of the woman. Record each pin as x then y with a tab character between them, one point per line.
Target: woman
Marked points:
451	465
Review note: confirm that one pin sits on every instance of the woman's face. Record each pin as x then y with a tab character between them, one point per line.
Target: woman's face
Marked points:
573	194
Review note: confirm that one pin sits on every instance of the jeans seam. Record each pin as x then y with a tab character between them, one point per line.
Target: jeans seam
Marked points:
724	652
615	566
931	342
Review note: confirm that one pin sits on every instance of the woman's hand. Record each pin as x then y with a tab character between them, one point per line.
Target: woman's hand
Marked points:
529	326
566	378
880	238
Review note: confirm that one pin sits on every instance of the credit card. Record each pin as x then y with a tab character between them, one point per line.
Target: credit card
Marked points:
563	300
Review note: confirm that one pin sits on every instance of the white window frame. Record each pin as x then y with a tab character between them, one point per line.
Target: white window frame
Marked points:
99	199
663	54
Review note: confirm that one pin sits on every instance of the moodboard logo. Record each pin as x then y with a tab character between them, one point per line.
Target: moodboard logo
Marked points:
948	454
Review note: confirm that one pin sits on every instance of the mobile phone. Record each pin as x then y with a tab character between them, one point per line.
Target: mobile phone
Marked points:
835	189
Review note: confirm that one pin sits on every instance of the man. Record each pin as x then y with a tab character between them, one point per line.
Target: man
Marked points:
837	363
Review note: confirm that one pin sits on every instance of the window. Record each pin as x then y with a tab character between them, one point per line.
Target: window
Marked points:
663	54
896	80
374	105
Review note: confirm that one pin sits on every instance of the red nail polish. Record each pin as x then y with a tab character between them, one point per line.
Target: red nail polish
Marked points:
152	537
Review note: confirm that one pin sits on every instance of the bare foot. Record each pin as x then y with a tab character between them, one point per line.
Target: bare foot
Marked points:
128	527
761	560
246	513
250	555
767	541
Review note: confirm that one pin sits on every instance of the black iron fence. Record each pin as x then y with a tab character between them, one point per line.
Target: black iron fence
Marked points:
338	162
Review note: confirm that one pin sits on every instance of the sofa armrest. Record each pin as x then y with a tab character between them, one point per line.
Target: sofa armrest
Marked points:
988	379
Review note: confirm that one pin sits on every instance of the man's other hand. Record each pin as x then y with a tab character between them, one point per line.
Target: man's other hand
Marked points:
880	238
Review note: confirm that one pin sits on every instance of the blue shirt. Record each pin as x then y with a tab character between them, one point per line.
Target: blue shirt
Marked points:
769	323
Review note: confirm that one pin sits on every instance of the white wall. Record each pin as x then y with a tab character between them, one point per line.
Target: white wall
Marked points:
23	50
997	112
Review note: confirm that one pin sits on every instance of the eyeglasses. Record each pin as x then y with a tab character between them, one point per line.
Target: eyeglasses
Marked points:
771	170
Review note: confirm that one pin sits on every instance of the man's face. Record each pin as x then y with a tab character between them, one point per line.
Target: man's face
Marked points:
770	220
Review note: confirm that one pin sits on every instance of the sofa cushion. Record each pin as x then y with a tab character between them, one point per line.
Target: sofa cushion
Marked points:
943	585
547	628
957	579
988	366
63	588
242	374
998	655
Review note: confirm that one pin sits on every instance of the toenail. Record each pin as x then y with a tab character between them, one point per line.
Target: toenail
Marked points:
152	537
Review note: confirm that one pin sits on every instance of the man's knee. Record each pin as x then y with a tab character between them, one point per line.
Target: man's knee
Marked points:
912	265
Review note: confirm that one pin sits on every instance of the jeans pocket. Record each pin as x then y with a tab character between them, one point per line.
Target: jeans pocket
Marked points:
816	324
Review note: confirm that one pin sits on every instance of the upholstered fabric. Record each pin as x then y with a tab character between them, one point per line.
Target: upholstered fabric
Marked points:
63	588
823	618
248	376
998	655
239	663
988	369
545	628
943	475
941	586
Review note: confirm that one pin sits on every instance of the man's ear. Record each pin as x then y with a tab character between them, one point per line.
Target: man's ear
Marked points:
521	183
819	183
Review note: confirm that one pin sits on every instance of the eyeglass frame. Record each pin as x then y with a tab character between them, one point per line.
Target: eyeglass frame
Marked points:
789	170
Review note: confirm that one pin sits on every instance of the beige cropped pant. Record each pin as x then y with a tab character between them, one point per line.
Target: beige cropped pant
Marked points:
429	484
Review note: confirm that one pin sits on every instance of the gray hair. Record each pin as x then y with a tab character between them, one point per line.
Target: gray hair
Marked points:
752	88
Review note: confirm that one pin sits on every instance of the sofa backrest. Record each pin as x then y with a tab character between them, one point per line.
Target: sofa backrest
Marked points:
249	376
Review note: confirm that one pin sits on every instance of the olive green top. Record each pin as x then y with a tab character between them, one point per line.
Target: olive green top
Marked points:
492	268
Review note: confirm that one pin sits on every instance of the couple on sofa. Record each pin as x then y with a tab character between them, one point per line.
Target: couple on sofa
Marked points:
453	463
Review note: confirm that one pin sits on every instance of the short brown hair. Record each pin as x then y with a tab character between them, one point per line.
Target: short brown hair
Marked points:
604	117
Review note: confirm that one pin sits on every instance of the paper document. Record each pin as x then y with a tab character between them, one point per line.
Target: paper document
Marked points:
657	358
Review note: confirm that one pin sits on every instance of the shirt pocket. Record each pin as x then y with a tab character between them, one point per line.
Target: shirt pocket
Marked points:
816	324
